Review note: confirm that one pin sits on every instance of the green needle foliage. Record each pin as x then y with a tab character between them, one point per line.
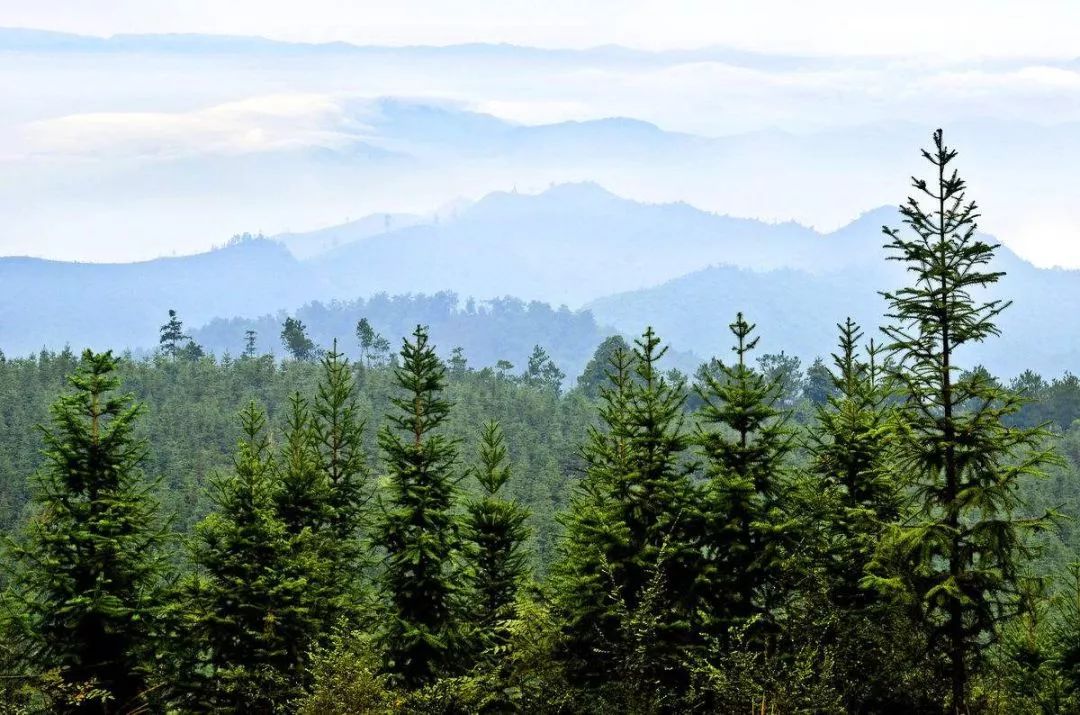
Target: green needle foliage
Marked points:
629	531
850	450
248	597
417	527
859	539
494	529
959	558
303	504
594	540
338	432
303	493
87	573
881	653
745	440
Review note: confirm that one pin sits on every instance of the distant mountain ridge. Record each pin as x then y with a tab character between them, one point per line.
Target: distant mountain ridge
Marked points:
53	303
797	310
570	244
680	269
29	39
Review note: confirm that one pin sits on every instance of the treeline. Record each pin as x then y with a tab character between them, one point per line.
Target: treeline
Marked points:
487	331
874	537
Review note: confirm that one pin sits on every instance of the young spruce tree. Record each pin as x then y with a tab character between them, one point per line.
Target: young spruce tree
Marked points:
959	559
88	571
494	531
849	449
745	440
629	582
338	433
881	663
417	527
248	597
303	501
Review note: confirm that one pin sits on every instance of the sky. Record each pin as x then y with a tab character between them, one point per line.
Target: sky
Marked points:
983	28
116	157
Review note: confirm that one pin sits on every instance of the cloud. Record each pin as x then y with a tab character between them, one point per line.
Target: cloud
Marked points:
259	124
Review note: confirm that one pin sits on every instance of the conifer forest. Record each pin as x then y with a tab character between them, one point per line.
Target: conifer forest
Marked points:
890	530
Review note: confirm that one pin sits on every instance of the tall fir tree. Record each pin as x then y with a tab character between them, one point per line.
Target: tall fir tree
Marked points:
644	561
417	526
959	559
88	570
747	528
338	431
542	371
494	532
248	596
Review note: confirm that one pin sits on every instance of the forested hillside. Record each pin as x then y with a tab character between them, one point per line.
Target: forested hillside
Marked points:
886	530
504	329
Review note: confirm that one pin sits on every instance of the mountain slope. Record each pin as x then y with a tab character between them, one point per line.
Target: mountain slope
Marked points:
797	310
309	244
51	303
570	244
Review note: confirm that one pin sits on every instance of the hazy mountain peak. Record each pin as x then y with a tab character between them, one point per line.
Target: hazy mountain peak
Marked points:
568	200
580	192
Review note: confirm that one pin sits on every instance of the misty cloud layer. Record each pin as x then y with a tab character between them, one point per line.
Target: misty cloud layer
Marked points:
144	146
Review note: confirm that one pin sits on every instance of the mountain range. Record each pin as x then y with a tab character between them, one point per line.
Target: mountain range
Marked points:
617	264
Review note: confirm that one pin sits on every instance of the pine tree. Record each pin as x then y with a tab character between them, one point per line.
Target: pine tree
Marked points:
542	370
249	343
416	528
366	336
88	571
338	432
172	335
458	363
959	559
192	352
745	440
1065	637
248	598
296	341
494	530
634	519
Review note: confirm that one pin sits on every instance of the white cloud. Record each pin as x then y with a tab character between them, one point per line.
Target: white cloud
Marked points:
259	124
